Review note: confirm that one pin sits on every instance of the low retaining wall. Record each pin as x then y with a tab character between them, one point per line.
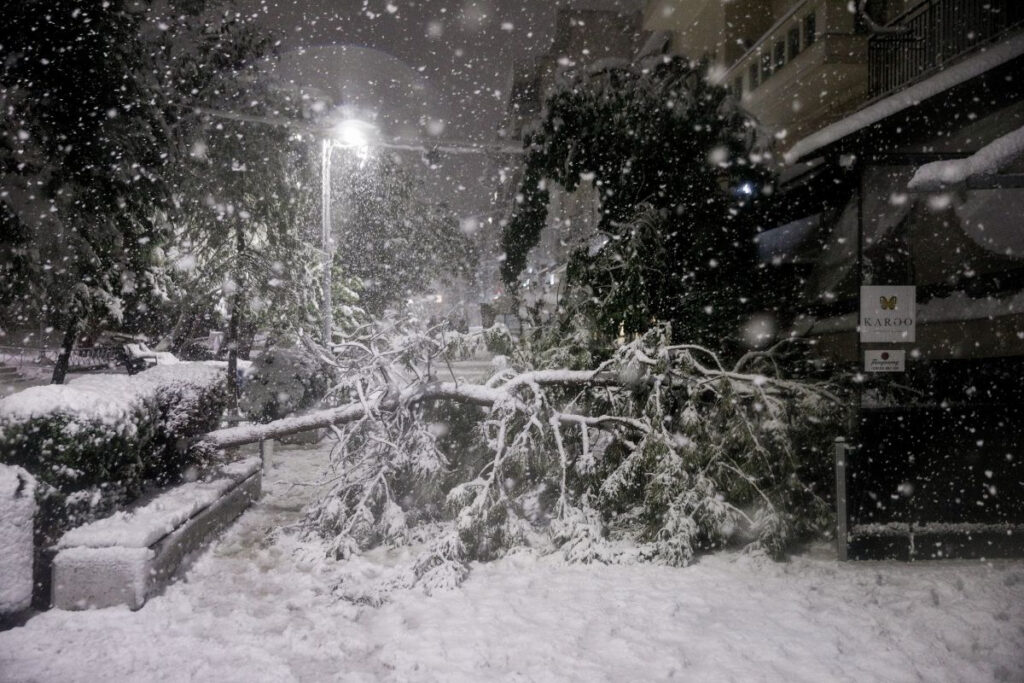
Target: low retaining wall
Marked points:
125	558
17	511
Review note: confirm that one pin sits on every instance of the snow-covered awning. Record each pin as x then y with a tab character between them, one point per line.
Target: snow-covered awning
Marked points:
972	67
987	161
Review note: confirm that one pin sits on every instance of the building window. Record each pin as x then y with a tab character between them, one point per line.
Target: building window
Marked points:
810	30
766	66
794	42
780	55
753	76
737	86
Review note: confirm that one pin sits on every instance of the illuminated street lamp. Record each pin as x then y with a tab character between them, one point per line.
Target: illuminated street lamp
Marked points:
352	134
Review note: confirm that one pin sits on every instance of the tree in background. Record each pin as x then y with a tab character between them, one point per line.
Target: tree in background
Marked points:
389	235
85	141
671	156
245	211
117	181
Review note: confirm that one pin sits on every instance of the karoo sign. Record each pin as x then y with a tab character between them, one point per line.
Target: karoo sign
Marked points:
888	314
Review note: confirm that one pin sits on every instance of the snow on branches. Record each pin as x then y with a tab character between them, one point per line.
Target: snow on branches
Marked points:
657	453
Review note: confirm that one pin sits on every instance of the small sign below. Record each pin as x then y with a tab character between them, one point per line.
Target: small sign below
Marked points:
888	314
878	360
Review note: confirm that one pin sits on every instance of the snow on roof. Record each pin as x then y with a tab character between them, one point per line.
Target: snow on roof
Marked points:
970	68
144	526
988	160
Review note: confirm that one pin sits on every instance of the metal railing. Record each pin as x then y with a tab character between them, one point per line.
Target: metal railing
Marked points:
81	358
938	32
17	356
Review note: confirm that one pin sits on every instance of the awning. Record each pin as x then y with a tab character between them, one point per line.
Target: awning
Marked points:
987	161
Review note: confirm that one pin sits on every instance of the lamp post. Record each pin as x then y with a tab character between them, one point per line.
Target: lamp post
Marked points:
359	134
325	235
351	134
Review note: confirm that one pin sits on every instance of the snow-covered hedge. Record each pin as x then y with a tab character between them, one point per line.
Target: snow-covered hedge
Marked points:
93	444
282	381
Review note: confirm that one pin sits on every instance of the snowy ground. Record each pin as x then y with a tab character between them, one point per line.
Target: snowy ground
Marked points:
249	609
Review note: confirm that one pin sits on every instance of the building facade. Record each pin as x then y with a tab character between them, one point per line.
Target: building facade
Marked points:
900	202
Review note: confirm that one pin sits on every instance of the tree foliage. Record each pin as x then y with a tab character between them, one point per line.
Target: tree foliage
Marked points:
105	146
85	141
671	157
657	454
390	235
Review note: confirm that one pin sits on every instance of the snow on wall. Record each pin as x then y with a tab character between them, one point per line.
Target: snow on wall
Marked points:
17	510
909	97
144	526
986	161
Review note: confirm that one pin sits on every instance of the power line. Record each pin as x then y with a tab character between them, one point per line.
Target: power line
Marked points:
446	147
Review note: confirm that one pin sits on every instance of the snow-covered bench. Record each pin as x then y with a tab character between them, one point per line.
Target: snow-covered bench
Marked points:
137	360
124	558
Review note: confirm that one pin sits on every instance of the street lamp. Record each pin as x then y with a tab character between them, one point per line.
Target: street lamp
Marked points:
354	134
359	135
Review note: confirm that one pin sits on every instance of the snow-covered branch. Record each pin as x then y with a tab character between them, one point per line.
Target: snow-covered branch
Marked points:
658	452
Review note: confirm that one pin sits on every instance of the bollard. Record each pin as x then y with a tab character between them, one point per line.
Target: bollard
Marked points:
266	453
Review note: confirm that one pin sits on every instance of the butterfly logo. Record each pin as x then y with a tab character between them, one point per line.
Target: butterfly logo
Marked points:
888	304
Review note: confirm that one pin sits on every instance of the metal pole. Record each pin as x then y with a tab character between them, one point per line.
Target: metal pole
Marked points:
842	540
325	176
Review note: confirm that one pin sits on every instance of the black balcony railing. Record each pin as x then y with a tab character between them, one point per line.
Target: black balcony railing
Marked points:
938	32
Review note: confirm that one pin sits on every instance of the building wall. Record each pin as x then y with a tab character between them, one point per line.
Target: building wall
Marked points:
797	65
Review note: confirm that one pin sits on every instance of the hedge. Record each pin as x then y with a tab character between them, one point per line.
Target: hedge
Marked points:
284	381
97	443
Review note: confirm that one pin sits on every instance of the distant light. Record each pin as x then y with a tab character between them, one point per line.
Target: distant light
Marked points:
747	189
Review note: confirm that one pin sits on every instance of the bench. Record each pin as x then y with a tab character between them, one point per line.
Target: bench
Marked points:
125	558
137	358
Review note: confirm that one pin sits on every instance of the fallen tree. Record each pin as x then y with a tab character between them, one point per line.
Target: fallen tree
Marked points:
657	453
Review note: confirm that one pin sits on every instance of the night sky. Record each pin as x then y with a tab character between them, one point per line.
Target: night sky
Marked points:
421	69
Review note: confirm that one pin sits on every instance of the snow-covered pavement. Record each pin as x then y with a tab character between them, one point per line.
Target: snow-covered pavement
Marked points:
252	609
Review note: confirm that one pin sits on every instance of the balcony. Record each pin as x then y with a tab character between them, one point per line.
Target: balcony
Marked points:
938	32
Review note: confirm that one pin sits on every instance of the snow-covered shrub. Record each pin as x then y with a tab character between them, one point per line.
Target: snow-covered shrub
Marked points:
460	345
658	453
283	381
496	340
499	340
95	443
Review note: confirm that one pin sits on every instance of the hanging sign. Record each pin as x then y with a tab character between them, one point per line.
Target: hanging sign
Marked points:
888	314
879	360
